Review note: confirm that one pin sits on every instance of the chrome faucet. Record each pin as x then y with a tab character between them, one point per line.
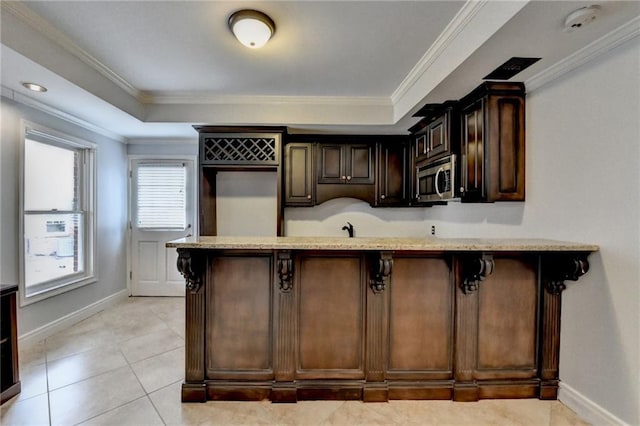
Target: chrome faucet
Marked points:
349	229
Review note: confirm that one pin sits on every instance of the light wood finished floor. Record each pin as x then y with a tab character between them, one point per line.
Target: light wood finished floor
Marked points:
124	366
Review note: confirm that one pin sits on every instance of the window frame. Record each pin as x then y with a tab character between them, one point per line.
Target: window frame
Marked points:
161	163
87	205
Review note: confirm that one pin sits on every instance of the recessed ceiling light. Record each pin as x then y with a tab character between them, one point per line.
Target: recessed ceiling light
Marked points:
34	86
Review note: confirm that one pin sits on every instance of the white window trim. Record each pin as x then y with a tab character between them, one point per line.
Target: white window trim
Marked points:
70	282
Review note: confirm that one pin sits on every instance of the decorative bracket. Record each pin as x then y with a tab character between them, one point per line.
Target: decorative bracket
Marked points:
475	268
561	267
381	271
190	266
285	271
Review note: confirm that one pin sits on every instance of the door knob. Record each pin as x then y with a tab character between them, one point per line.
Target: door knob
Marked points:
309	197
383	196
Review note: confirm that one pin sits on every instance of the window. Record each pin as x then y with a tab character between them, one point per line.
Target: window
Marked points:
58	206
162	197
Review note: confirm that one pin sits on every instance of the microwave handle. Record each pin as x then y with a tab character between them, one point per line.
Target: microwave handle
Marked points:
452	175
440	170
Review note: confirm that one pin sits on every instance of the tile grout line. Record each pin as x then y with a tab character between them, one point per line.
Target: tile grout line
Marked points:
46	375
154	405
128	364
140	382
109	410
148	394
121	405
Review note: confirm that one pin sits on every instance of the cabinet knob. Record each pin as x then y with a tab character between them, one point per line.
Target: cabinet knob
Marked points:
348	177
344	178
309	197
462	189
382	197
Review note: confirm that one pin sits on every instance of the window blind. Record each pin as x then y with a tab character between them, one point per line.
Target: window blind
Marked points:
162	196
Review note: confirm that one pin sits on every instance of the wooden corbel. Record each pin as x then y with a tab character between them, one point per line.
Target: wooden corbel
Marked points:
190	266
557	268
381	268
475	268
285	271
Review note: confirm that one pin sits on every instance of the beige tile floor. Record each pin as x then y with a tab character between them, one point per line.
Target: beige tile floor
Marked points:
124	366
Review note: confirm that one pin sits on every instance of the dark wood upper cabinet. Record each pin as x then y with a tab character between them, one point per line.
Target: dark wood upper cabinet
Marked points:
345	163
236	149
436	135
345	168
439	136
392	173
299	177
420	144
493	143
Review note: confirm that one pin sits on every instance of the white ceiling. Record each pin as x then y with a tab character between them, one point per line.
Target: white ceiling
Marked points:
151	69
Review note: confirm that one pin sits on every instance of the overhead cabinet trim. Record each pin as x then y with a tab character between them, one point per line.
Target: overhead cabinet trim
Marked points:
240	149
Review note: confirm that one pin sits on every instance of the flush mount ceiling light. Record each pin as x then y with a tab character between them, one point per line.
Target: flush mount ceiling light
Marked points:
34	86
251	27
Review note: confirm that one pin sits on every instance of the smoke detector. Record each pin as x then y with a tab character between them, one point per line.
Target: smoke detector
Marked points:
581	17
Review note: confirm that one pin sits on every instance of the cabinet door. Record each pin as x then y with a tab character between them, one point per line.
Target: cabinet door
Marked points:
438	137
359	164
238	320
392	169
331	164
299	186
472	164
507	330
420	146
493	143
421	320
347	163
505	135
331	316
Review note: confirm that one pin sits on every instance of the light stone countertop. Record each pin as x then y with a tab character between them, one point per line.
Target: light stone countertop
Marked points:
379	243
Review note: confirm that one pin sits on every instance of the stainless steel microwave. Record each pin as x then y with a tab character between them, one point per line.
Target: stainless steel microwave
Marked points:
436	181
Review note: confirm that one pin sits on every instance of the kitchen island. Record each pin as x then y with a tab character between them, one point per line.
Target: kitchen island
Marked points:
296	318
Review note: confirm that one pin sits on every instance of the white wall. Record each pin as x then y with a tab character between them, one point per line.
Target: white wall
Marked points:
111	217
327	219
246	204
163	147
584	136
583	185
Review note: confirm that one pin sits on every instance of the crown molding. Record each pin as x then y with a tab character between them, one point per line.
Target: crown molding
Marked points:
448	35
588	53
198	98
26	15
55	112
163	141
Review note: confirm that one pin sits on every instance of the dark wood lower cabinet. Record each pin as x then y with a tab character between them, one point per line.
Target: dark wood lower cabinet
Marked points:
421	324
9	372
291	325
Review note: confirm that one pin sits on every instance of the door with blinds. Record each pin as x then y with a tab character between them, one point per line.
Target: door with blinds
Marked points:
162	209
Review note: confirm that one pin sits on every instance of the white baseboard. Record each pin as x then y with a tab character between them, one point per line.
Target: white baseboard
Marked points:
586	408
41	333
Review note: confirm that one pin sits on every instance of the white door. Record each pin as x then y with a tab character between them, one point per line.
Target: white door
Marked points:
161	209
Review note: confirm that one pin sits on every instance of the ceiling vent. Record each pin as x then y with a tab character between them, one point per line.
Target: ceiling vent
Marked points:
581	17
510	68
